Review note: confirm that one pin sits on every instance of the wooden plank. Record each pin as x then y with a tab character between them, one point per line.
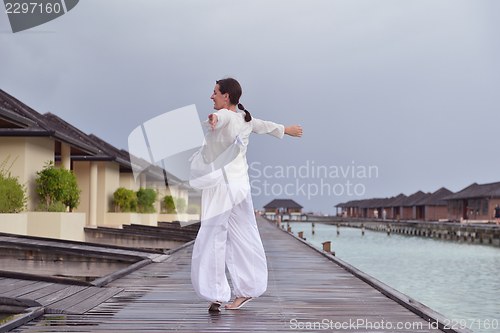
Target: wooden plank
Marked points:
36	278
92	302
51	288
15	284
18	239
19	292
122	272
62	305
5	281
59	295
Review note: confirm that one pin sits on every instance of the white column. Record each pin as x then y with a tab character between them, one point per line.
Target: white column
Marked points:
93	194
158	201
143	180
66	155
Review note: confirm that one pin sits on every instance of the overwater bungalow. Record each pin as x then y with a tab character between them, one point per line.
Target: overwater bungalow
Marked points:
287	208
407	207
432	207
476	202
418	206
394	211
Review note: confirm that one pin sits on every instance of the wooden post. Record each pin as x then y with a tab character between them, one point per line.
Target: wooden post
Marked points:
388	230
279	220
312	227
283	226
481	240
301	234
338	232
289	229
363	229
326	246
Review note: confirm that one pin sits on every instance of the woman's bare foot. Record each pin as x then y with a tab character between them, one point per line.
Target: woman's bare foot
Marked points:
237	302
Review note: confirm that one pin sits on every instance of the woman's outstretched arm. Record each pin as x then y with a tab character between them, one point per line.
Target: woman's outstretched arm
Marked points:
276	130
294	130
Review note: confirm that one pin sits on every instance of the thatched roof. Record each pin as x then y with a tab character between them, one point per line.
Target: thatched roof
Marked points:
477	191
283	203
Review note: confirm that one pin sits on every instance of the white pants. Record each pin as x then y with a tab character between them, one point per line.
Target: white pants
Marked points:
228	236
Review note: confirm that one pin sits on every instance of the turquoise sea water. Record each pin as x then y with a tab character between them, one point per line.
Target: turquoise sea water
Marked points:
459	280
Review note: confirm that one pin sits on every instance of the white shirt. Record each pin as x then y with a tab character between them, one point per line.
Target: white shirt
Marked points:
228	126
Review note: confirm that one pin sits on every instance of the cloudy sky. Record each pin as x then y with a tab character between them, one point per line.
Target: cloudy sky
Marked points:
409	88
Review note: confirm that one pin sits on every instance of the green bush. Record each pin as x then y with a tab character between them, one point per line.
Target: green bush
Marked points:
193	209
55	207
71	189
57	185
180	205
13	197
174	205
168	203
145	200
124	200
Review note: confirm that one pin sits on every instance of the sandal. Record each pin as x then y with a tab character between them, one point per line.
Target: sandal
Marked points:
241	304
215	307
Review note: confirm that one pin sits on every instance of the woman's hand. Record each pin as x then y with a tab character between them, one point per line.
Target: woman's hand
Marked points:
294	130
212	119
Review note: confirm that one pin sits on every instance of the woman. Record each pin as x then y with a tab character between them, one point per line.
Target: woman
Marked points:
228	234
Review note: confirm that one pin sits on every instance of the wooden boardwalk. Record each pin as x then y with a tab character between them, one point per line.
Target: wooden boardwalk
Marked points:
56	297
304	287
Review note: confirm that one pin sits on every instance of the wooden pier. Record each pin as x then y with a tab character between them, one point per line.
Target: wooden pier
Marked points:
480	232
307	290
474	233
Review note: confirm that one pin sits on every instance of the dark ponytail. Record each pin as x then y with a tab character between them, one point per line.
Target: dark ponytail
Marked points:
233	88
248	117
